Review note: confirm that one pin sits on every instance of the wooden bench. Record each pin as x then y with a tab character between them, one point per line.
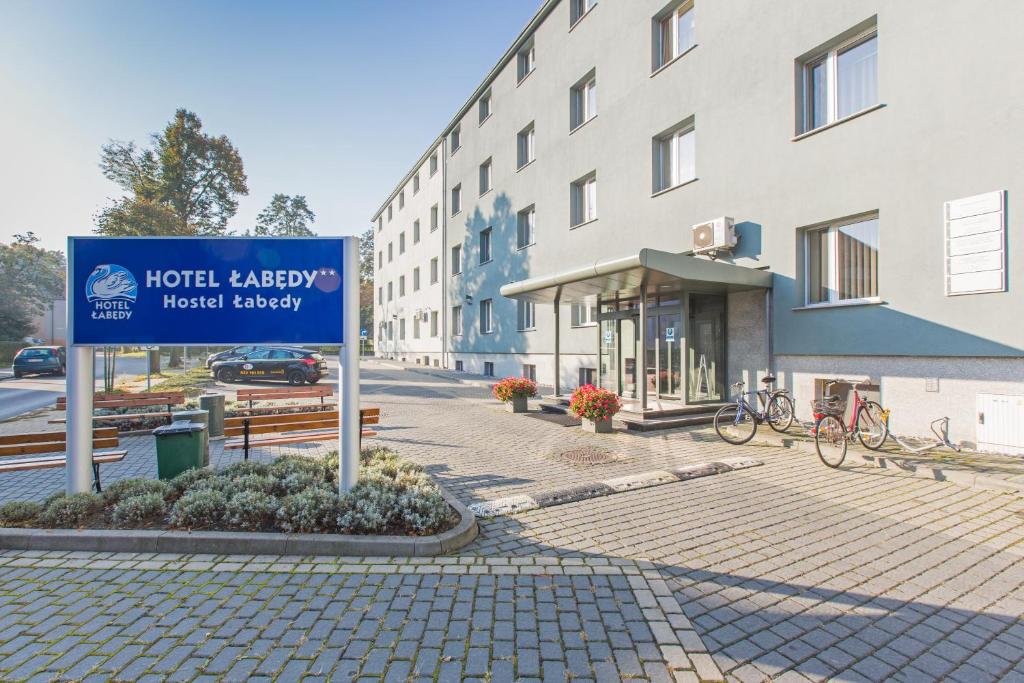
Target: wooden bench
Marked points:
320	391
56	442
288	428
118	399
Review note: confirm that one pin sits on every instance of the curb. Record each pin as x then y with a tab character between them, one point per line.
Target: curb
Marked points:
631	482
888	461
247	543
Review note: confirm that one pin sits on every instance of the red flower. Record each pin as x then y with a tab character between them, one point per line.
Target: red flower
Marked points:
593	403
514	387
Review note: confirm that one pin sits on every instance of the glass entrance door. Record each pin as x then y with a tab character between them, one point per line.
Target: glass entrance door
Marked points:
669	355
706	353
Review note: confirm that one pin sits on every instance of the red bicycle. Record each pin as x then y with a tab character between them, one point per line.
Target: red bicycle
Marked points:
831	437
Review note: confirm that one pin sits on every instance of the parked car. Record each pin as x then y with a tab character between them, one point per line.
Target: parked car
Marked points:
39	360
234	352
293	365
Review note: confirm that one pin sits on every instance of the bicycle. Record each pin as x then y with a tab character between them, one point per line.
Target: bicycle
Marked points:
741	418
868	421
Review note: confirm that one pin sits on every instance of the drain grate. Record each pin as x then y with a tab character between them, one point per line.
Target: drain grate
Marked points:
586	456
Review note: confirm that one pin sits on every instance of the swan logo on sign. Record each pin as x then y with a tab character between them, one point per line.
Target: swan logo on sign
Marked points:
111	289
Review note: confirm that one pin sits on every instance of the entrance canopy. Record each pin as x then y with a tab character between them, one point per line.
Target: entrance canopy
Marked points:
624	276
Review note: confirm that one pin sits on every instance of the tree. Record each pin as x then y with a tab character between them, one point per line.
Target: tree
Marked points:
366	282
285	217
31	278
185	184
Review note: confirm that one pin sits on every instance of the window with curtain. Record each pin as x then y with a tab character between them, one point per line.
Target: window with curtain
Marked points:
841	82
674	33
841	262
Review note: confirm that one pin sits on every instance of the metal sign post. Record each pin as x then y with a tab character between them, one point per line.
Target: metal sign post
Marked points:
201	291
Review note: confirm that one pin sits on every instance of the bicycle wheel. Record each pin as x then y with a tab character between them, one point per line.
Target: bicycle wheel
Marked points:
872	427
780	412
830	440
735	426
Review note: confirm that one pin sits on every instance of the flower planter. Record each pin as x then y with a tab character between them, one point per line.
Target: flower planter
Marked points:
517	404
597	426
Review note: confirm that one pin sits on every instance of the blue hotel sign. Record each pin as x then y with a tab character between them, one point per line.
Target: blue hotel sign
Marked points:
205	291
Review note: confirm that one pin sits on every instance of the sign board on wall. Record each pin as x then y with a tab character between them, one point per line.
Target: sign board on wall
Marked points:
976	244
205	291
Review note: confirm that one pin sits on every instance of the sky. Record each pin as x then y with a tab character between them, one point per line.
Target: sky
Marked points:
331	100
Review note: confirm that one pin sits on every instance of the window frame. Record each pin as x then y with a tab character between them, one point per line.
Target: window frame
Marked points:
416	231
583	106
526	151
484	109
435	270
401	286
401	242
672	137
526	61
455	140
486	246
457	320
829	56
456	260
432	165
416	183
589	319
530	213
486	316
435	217
578	9
832	230
673	14
456	199
526	322
401	200
486	172
416	279
583	208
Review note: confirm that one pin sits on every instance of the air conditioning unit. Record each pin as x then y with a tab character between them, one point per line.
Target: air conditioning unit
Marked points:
714	236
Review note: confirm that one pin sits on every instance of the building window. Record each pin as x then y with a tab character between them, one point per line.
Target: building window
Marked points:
391	291
380	223
457	199
583	101
401	285
433	163
416	279
578	9
401	329
675	157
416	326
841	262
583	315
380	294
401	242
485	317
530	372
588	376
525	223
583	198
526	314
380	259
526	61
391	252
488	369
433	271
455	139
391	330
484	106
401	200
485	246
458	366
433	323
433	218
840	81
456	320
416	183
389	212
524	146
456	259
416	231
485	177
673	33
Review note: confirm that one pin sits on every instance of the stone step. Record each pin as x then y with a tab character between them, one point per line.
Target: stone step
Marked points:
636	424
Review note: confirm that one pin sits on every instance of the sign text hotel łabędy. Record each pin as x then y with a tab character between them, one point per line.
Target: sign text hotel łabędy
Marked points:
206	291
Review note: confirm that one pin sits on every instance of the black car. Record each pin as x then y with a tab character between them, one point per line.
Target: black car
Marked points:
37	360
292	365
235	352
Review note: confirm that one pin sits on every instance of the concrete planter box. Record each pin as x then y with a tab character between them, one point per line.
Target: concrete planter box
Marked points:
247	543
518	404
597	426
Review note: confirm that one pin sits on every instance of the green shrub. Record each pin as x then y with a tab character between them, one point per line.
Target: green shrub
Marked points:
190	478
245	468
70	511
251	510
199	509
257	483
371	507
19	513
310	511
423	511
134	509
297	482
130	488
217	482
295	464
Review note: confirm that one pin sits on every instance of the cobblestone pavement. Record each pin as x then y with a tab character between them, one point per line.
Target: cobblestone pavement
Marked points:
790	570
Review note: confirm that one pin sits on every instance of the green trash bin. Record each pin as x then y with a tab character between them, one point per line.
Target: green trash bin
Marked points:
201	417
179	447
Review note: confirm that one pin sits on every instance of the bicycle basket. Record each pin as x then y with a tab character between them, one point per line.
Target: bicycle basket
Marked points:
830	405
